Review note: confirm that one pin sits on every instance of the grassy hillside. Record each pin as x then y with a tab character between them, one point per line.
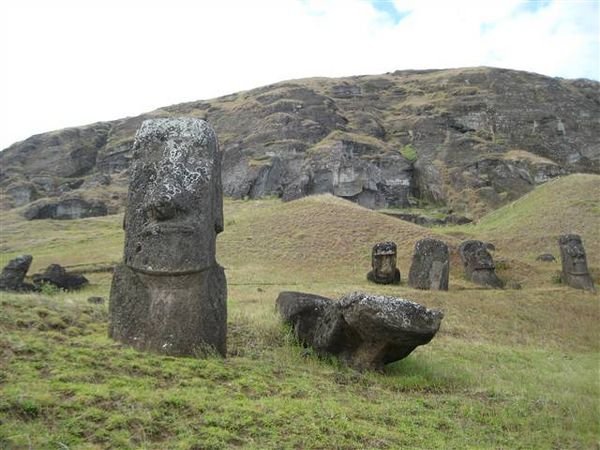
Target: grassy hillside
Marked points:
508	369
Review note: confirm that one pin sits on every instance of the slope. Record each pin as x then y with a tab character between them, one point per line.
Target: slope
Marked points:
508	369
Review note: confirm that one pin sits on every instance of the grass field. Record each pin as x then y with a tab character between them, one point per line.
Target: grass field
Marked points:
508	368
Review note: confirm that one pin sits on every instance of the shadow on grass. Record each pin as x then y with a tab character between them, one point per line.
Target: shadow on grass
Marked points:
424	374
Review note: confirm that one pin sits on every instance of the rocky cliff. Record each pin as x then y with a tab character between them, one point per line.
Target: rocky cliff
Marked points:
472	139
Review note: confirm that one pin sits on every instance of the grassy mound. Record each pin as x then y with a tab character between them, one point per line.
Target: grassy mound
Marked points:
508	369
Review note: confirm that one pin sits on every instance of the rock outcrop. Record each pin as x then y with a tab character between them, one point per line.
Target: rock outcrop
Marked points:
65	209
169	294
365	331
472	139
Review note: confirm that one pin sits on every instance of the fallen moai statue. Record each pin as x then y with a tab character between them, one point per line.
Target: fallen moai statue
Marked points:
58	276
365	331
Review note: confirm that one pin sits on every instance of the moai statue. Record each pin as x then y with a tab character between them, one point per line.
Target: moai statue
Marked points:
430	265
479	265
12	276
169	294
574	263
383	261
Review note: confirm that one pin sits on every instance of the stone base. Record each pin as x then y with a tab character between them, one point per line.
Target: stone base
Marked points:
578	281
487	278
171	314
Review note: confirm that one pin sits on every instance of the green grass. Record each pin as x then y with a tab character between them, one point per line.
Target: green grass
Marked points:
409	152
508	369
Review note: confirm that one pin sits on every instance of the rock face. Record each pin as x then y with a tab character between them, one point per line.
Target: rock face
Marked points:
13	274
56	275
169	295
472	139
65	209
383	262
365	331
575	271
430	266
479	264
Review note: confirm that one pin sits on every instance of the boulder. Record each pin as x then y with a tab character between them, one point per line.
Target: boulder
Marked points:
13	274
57	275
430	265
365	331
546	257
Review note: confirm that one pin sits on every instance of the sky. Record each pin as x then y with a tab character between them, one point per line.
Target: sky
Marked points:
73	62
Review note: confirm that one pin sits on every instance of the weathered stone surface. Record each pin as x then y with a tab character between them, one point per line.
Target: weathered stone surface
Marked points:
425	221
169	295
365	331
13	274
575	271
479	264
345	136
65	209
546	257
383	263
58	276
430	266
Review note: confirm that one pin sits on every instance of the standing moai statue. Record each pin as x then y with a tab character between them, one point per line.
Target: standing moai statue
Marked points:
574	263
383	262
169	294
430	265
479	265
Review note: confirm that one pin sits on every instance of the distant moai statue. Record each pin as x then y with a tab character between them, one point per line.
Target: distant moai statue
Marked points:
479	264
383	262
169	294
430	265
13	274
575	271
560	127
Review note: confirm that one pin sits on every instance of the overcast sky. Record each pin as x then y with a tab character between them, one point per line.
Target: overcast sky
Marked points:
73	62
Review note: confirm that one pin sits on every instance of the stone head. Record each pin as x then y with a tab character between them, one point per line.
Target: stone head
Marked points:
572	254
475	256
174	206
383	259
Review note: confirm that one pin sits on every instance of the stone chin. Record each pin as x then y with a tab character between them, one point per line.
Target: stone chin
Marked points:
170	252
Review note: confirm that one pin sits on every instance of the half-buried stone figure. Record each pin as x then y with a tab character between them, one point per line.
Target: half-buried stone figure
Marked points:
383	263
575	271
169	294
479	264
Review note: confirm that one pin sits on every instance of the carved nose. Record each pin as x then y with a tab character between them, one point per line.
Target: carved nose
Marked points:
163	209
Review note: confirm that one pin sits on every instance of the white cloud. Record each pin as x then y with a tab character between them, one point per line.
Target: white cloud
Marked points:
66	63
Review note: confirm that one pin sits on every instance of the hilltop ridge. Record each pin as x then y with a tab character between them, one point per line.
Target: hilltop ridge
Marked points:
472	139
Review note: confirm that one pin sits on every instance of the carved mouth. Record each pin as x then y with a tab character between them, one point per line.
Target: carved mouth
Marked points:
578	273
167	228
